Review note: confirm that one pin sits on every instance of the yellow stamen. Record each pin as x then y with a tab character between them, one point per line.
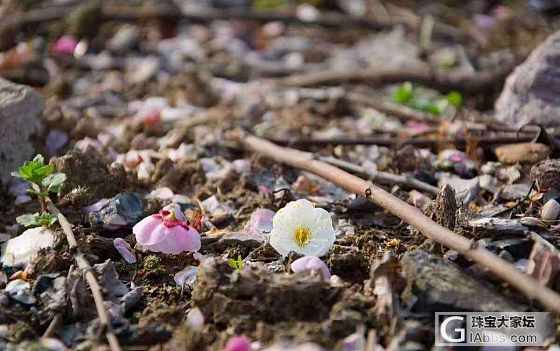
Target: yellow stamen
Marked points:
302	236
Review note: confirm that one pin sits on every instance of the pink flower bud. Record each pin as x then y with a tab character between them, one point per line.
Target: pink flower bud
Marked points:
65	45
167	232
238	343
311	263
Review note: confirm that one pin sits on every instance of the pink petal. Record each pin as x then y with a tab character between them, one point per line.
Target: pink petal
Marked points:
125	250
144	230
175	240
238	343
311	263
65	45
188	240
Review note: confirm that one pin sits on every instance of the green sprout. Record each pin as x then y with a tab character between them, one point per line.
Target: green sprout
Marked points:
36	219
236	264
44	181
405	94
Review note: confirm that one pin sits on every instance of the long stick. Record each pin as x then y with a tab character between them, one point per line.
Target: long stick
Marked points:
84	265
524	283
473	83
460	142
383	177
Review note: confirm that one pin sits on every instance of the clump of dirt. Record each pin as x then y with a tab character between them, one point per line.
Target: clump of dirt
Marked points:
90	172
254	294
181	177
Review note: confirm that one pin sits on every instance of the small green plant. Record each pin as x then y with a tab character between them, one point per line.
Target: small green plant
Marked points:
237	263
405	94
36	219
44	181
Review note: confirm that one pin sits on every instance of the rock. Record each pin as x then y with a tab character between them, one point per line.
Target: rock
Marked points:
20	290
546	175
125	38
20	110
466	190
436	285
20	250
122	211
514	191
530	92
186	276
498	225
544	261
551	210
522	153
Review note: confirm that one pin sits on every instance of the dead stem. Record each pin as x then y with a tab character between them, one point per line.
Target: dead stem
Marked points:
383	177
393	141
91	280
473	83
502	269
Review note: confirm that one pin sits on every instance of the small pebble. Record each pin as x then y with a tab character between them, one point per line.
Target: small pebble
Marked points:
550	210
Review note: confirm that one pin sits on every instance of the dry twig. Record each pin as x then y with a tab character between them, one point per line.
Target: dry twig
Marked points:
84	265
502	269
383	177
471	83
460	142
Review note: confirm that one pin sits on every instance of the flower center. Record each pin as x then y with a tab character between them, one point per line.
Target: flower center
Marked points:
168	215
302	236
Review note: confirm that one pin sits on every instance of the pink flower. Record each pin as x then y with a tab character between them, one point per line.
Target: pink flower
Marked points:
238	343
65	45
167	232
311	263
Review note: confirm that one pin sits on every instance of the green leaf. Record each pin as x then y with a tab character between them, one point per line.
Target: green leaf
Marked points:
28	220
35	170
44	219
455	99
427	106
404	93
54	182
236	264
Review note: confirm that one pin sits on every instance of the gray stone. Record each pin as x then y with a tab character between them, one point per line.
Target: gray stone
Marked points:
437	285
532	92
20	111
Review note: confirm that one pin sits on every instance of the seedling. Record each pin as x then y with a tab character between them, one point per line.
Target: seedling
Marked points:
405	94
36	219
44	181
237	263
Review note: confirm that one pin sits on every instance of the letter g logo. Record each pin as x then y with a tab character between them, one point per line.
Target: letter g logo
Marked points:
446	336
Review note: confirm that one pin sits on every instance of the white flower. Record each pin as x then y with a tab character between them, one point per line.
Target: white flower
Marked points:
302	228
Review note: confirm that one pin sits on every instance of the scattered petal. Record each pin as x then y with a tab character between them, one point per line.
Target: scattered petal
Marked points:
238	343
124	250
311	263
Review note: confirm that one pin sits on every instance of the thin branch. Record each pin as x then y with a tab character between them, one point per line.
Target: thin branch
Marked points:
163	12
383	177
467	83
84	265
53	326
460	142
403	113
411	215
